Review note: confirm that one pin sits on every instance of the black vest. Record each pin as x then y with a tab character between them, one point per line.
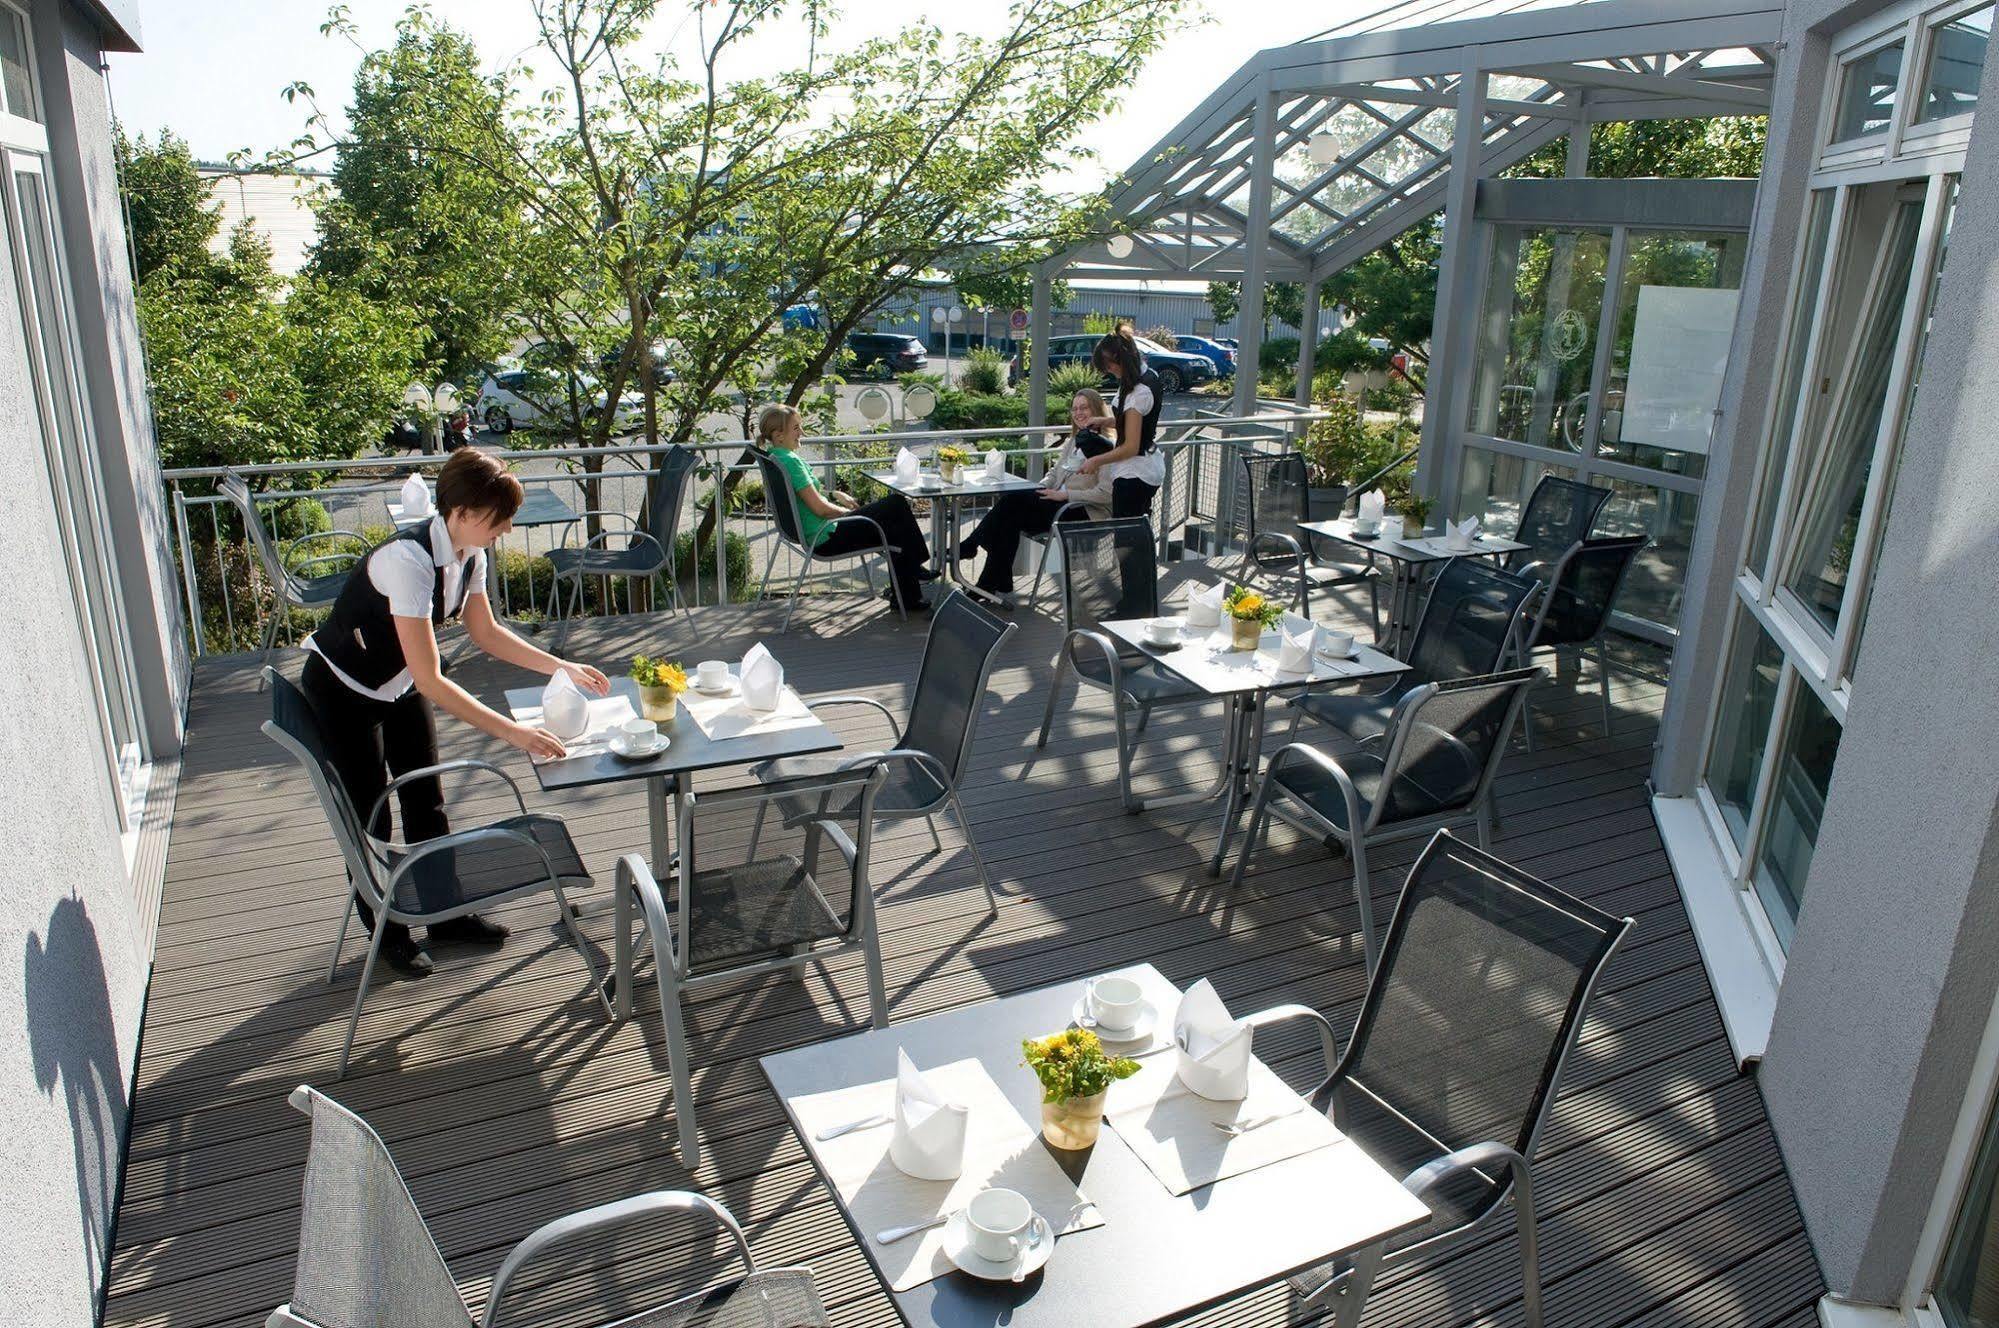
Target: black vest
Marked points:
1148	426
359	635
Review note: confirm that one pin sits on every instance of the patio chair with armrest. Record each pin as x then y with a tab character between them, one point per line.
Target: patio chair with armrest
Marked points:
1558	513
1574	616
367	1259
1272	502
764	915
1108	573
294	584
928	757
1485	977
782	500
433	880
647	555
1433	768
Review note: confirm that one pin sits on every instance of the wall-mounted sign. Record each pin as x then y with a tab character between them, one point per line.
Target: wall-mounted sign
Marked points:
1679	352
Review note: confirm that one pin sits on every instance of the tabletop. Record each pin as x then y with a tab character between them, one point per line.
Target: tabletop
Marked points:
931	485
1206	659
1157	1254
689	750
1426	549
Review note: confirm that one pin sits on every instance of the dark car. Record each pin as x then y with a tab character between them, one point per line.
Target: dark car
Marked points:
1176	371
885	354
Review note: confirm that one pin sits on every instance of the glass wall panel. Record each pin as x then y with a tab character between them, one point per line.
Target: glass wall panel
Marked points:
1742	726
1867	93
1656	583
17	86
1968	1291
1537	335
1797	806
1957	62
1818	227
1493	486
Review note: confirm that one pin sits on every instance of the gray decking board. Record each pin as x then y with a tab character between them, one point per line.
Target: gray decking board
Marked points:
507	1101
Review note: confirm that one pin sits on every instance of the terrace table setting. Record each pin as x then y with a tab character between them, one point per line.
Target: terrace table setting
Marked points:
1182	1199
1408	559
971	481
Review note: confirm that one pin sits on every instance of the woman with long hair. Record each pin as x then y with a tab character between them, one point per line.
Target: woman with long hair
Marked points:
1020	513
1135	468
779	428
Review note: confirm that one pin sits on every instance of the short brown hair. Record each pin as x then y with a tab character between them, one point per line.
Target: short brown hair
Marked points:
474	481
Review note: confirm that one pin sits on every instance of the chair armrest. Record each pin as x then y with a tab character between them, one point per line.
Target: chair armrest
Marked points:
303	540
1087	636
815	702
298	568
636	883
464	839
1296	752
1284	1014
443	768
1481	1158
881	535
607	1217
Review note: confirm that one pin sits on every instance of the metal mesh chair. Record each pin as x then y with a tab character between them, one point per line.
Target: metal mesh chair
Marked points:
927	759
782	500
1273	500
294	585
1434	767
434	880
366	1259
1108	573
764	915
1485	978
1468	626
647	554
1558	513
1575	613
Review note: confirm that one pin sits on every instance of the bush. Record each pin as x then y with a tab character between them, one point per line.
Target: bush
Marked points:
958	409
1066	380
984	373
697	576
1162	334
1278	353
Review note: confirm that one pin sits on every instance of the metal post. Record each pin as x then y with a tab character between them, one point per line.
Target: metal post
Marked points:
1256	264
1038	322
1457	282
187	569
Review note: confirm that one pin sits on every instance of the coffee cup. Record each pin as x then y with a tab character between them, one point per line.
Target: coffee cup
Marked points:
1335	643
1162	631
1116	1003
712	674
1366	525
639	732
1000	1222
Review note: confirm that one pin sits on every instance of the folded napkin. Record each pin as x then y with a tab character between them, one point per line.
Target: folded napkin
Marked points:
565	711
1461	536
763	679
1297	638
906	466
995	463
1204	607
1214	1047
415	497
929	1138
1372	505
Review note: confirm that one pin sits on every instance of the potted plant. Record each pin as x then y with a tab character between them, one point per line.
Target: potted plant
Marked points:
951	459
1250	614
1416	513
661	681
1075	1072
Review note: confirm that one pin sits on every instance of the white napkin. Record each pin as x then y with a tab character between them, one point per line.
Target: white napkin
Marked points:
1461	536
1204	607
416	499
1297	638
929	1138
1214	1047
995	463
565	711
906	466
1372	505
763	679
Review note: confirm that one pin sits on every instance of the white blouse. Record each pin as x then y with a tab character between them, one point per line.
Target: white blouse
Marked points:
406	576
1147	466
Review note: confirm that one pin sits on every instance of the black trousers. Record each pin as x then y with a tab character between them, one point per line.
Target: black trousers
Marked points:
899	524
1018	514
370	742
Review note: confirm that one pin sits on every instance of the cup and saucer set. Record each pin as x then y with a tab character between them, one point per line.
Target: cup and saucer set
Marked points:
712	678
1115	1009
638	740
998	1236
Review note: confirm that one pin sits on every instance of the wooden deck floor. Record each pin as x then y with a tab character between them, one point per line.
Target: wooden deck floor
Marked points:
508	1099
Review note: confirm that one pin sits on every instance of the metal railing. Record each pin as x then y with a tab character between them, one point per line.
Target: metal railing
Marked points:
227	595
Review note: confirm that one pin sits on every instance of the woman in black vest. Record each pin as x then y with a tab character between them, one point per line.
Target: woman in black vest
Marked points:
372	670
1135	467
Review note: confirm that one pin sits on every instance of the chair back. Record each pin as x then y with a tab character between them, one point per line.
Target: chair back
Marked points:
1444	744
669	495
1468	620
232	487
365	1257
1558	513
780	498
1108	571
958	655
1484	977
294	726
1274	495
1582	588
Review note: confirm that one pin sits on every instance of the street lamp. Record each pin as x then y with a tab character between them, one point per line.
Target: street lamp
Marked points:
878	403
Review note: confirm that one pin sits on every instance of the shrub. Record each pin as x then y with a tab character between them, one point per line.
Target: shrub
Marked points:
957	409
697	576
1066	380
1341	449
1278	353
984	373
1162	334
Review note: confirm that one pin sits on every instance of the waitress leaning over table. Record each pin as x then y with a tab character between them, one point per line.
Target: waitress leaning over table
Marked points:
1135	467
372	671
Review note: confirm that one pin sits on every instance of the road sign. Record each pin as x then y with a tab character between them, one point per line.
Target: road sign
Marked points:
1017	320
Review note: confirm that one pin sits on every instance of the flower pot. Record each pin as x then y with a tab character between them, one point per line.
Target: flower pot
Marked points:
1245	633
949	471
659	704
1073	1122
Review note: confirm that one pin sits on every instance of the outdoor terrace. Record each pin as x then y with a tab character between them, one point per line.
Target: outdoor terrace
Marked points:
508	1099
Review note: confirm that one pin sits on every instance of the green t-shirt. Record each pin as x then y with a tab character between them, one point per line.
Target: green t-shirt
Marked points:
810	524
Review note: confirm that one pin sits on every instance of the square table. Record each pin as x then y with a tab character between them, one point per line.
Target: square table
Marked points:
1406	558
972	482
1241	678
1158	1255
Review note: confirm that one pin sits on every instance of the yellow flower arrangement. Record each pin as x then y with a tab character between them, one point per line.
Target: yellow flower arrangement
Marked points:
1246	605
665	673
1073	1064
953	455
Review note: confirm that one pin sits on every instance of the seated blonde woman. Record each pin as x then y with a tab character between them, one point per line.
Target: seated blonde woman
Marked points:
1018	514
779	428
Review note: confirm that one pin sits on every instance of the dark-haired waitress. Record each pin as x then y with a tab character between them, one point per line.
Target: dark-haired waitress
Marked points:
372	671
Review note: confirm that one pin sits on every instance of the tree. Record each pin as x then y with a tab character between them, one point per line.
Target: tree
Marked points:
983	286
168	214
1283	301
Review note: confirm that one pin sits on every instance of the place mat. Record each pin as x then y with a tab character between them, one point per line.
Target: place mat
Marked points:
1438	545
724	717
1173	1129
1001	1149
605	714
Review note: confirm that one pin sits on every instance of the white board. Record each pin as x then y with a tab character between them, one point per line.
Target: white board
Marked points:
1679	352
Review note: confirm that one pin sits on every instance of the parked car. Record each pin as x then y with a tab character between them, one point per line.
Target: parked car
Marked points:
1176	371
1222	357
886	354
526	399
664	353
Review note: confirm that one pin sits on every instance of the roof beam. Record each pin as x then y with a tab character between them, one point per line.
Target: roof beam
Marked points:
1659	85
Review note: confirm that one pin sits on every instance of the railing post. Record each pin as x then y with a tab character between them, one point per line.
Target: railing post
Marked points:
187	570
721	542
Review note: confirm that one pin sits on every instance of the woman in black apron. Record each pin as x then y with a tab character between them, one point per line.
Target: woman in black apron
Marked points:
1136	468
1023	512
372	671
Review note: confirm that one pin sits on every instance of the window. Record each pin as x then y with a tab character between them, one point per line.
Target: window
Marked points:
1798	345
17	82
1537	342
1967	1293
1749	698
1797	805
1867	93
1957	62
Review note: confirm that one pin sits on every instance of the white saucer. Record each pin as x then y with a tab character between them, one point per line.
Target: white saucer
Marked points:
958	1249
1352	656
1141	1028
621	747
726	689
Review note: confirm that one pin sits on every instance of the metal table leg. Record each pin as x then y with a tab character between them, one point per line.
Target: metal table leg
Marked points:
1245	751
1222	776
